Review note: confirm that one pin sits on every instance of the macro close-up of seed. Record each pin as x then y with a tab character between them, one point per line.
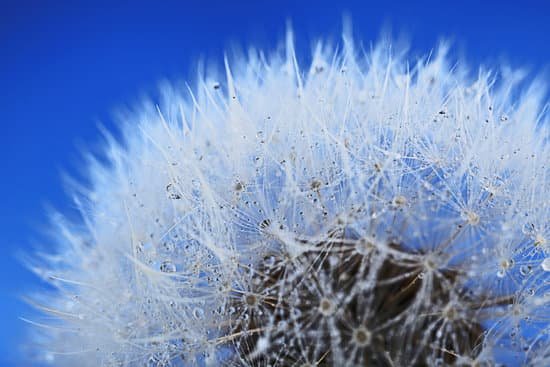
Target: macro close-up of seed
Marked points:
354	203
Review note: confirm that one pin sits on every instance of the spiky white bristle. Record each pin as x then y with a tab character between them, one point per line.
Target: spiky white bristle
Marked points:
222	231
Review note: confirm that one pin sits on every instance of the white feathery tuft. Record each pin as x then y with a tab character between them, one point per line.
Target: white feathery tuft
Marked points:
368	209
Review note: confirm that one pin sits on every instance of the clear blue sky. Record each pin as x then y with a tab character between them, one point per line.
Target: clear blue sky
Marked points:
66	66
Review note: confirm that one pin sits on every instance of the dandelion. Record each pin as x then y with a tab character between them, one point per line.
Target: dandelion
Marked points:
365	209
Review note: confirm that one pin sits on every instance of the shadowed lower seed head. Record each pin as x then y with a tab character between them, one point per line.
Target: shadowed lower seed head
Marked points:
334	305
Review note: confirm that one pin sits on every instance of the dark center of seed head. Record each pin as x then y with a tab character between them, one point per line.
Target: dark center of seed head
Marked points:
292	286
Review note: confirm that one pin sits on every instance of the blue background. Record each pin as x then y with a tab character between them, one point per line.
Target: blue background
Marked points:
65	66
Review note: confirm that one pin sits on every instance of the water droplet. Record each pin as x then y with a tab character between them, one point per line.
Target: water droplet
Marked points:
265	223
506	264
262	344
238	186
525	270
198	313
528	229
172	192
167	267
546	264
269	261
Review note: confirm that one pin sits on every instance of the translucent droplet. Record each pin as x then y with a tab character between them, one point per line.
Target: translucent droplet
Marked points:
262	344
238	186
198	313
265	223
528	228
167	267
525	270
546	264
172	192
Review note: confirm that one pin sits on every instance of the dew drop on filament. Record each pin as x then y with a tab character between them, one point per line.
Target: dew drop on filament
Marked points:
167	267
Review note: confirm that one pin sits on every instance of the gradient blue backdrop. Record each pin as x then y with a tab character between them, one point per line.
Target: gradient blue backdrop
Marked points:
66	65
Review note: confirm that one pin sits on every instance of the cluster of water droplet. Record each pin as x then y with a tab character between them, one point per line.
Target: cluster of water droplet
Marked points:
361	212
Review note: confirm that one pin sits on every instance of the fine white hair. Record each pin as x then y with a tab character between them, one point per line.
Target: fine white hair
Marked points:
206	186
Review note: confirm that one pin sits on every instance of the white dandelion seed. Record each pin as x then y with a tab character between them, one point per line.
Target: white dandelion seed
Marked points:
366	210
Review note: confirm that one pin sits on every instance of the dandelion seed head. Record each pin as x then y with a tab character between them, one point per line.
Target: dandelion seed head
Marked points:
364	209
